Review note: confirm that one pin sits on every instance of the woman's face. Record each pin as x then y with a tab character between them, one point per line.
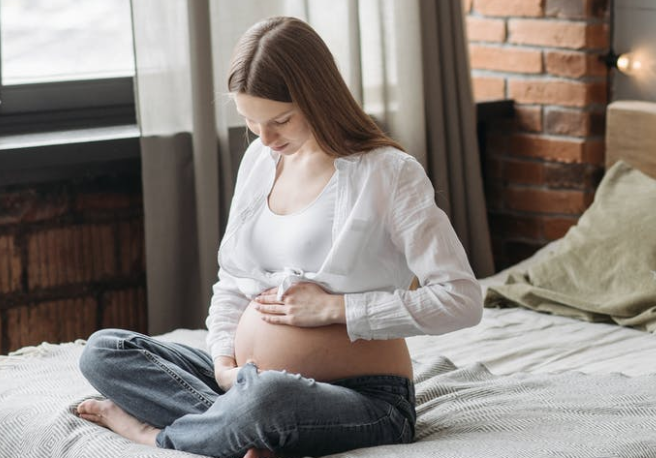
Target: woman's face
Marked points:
280	125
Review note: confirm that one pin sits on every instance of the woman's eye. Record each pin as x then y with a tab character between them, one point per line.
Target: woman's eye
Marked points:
281	123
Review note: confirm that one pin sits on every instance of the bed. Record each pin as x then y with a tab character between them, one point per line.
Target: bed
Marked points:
538	380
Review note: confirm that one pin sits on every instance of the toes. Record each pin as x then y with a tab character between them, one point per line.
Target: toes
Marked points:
259	453
90	417
86	406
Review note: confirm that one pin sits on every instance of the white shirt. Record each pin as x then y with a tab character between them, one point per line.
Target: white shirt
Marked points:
298	241
386	229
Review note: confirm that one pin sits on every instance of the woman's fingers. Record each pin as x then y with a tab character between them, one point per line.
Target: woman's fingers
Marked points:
273	309
268	297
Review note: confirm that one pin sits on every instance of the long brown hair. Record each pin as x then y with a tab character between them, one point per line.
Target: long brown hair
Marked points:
285	60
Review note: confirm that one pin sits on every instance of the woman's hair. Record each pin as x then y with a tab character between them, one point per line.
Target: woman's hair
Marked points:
284	59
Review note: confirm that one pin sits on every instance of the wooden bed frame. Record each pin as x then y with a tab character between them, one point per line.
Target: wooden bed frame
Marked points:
631	135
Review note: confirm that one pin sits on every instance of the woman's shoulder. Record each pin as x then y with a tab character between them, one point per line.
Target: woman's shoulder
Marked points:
388	163
383	158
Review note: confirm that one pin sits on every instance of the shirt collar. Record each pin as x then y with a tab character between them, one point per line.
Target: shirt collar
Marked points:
352	159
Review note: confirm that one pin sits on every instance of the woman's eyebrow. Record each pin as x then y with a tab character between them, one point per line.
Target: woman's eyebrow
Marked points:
278	116
282	115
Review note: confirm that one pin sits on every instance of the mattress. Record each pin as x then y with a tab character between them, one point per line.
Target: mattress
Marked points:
521	383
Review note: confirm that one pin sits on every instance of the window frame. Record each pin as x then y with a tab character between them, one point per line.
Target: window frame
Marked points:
54	106
69	104
35	116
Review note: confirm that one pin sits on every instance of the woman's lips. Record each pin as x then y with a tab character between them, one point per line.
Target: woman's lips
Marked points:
279	148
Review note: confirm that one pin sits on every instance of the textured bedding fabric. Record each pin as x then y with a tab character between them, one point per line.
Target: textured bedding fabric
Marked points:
605	266
462	412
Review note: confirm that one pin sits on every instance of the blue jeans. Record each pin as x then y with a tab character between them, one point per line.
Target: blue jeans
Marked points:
172	387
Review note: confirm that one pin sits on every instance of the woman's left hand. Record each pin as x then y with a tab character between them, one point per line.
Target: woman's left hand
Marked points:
304	304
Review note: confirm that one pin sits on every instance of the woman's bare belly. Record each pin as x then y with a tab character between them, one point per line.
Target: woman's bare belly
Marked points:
324	353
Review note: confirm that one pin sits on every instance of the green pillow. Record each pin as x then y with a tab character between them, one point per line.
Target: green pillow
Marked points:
604	268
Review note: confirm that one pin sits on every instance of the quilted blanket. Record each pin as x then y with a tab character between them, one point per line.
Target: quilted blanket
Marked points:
462	412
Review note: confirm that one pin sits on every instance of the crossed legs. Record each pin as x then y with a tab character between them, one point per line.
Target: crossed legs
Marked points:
165	395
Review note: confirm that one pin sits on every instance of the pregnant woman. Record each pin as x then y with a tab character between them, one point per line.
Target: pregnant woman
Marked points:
330	222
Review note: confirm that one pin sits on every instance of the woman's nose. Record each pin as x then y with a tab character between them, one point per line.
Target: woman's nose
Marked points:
267	136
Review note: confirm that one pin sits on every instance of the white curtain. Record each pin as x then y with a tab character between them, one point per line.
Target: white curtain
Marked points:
190	147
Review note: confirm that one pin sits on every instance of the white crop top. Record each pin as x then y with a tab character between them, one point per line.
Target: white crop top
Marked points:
297	241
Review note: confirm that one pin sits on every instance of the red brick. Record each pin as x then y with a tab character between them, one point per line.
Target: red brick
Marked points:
598	123
529	118
558	149
570	176
556	227
598	36
55	322
547	200
506	8
505	59
599	93
69	255
575	123
488	88
550	148
556	92
126	309
10	265
523	172
595	152
574	64
485	29
557	34
576	9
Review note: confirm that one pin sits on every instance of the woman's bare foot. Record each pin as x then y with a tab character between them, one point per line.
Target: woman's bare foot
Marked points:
106	413
259	453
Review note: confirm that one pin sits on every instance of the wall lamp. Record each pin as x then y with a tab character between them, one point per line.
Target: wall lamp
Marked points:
627	63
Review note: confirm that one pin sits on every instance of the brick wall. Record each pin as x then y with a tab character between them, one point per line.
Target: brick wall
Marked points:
71	259
542	167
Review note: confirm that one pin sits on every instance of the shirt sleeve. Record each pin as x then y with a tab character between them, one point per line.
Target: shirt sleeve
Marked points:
228	303
449	297
226	308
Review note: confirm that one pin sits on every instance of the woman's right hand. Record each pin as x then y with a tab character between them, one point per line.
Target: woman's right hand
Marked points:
225	372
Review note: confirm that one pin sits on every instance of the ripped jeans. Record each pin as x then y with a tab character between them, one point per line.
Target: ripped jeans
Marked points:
172	387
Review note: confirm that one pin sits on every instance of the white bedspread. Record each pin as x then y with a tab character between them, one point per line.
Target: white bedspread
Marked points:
522	384
462	412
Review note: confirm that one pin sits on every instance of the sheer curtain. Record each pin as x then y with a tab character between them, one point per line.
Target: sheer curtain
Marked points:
191	141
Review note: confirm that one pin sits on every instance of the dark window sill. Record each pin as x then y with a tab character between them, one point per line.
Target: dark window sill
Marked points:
62	155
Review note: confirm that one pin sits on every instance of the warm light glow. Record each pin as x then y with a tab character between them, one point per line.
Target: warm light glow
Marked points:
627	63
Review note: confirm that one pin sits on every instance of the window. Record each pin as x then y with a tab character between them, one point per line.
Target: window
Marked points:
65	64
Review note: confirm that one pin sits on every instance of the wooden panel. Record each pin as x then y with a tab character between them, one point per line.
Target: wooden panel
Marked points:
126	309
631	135
54	322
10	265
